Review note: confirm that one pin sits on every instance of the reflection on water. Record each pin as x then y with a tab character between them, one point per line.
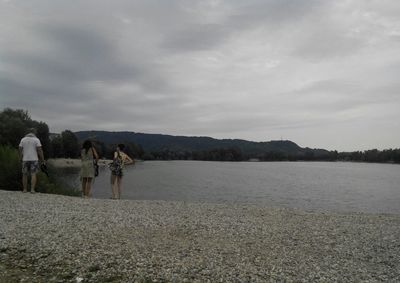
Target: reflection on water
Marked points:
309	185
68	176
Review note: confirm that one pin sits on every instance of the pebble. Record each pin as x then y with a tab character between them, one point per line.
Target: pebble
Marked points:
53	238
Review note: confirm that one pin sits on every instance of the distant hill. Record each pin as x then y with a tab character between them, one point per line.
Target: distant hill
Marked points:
160	142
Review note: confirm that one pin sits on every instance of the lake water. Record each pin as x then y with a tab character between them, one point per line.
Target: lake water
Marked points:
334	186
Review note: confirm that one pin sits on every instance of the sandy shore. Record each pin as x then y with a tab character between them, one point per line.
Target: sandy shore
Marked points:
50	238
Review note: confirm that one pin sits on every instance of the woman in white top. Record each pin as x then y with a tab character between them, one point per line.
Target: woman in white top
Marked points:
117	170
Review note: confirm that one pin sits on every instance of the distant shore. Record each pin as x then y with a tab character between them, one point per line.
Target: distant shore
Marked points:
70	162
52	238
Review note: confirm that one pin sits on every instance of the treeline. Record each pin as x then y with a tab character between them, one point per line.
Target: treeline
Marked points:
374	155
235	154
228	154
14	124
220	154
67	145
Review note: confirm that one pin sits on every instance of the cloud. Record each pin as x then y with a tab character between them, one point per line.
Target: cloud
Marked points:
304	70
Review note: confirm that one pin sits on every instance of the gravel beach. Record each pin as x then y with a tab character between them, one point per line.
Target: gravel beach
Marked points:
52	238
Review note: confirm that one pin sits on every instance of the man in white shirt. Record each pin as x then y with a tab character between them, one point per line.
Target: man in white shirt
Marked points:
30	150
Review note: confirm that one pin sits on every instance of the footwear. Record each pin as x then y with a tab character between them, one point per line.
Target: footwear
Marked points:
25	191
33	191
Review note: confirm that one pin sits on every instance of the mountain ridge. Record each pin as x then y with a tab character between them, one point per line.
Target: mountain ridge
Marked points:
165	142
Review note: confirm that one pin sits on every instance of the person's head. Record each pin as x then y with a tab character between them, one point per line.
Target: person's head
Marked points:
87	144
31	131
121	147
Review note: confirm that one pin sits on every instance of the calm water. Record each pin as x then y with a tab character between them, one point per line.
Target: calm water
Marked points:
337	186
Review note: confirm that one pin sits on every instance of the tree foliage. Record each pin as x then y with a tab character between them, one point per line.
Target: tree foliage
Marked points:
14	124
70	144
10	168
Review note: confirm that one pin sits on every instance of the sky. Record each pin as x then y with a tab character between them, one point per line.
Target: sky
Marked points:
323	74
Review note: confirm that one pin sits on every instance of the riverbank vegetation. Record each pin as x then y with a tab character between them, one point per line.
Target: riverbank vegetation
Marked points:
10	177
235	154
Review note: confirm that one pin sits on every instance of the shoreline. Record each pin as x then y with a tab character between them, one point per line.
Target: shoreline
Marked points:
72	162
56	238
76	162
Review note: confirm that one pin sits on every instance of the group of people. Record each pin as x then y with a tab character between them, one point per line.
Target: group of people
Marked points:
32	157
90	158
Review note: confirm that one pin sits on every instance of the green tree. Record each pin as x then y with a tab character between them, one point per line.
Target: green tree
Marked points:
70	144
13	126
57	147
134	150
101	148
42	132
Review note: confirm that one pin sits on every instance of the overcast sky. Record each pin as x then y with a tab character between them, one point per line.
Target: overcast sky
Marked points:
323	74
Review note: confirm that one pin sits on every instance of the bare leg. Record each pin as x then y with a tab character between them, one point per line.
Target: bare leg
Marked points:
33	183
113	184
83	187
88	187
119	183
25	182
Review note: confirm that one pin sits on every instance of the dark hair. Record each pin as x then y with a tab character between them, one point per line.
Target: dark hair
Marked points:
121	146
87	144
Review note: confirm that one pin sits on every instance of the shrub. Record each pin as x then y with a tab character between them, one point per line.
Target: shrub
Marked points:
10	175
10	168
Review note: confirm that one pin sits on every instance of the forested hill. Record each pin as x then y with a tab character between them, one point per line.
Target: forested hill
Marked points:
156	143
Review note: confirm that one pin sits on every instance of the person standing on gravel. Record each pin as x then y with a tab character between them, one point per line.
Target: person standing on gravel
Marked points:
89	158
117	166
30	150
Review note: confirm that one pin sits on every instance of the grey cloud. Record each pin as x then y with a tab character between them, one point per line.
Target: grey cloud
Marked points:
196	37
77	42
335	96
331	102
272	13
87	53
53	69
183	67
361	90
76	56
327	43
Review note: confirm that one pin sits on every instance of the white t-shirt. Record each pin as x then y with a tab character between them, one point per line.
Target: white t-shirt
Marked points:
29	145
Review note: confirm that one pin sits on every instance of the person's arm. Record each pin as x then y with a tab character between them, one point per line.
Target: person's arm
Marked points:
128	160
95	154
21	152
40	153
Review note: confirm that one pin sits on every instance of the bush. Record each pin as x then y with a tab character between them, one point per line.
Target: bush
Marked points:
11	176
10	169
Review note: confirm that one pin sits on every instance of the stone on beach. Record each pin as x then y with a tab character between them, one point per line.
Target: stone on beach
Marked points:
52	238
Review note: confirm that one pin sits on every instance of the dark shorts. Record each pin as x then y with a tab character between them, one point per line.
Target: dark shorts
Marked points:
118	173
30	167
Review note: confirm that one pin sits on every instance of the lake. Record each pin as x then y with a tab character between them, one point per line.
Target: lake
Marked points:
333	186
